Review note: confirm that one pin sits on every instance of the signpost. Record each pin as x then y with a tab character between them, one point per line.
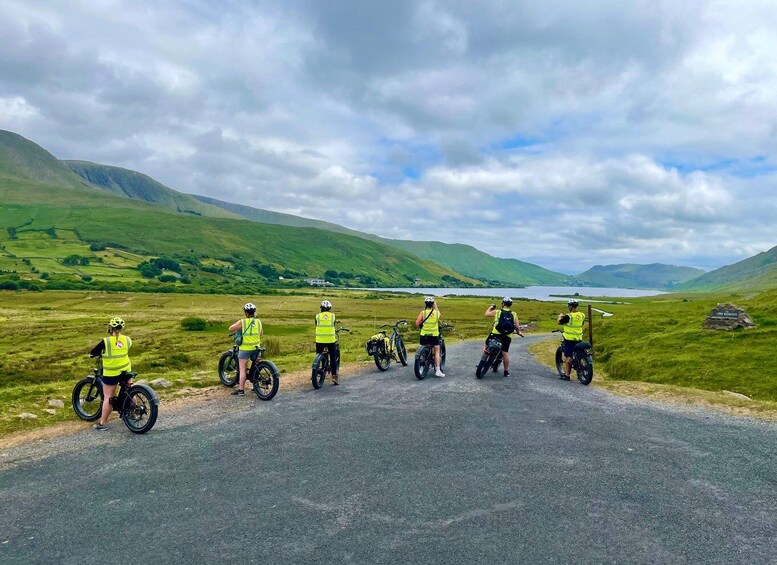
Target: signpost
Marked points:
590	327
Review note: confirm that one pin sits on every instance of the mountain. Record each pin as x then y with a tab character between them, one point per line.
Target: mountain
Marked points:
458	257
56	223
755	273
628	275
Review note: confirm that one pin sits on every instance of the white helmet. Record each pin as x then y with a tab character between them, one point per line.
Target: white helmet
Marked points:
573	302
429	300
326	305
249	307
507	301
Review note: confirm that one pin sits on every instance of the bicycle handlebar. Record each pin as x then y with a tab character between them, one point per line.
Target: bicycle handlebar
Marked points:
342	329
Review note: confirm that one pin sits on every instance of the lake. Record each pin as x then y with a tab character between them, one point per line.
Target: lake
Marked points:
532	292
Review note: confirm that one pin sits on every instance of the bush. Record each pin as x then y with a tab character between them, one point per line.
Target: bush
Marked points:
9	285
168	278
272	345
194	324
97	247
86	278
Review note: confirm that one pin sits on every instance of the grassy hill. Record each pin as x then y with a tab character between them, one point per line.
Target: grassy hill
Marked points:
655	275
755	273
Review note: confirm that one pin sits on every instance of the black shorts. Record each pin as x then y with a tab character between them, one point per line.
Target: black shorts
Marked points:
123	378
569	347
331	347
430	340
505	339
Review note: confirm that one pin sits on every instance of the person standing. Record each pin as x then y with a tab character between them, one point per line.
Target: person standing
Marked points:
506	323
573	334
114	351
429	322
251	328
326	337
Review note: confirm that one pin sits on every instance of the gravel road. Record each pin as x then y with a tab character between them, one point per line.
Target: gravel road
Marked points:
389	469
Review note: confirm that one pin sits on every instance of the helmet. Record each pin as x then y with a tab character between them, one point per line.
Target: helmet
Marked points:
326	305
116	323
573	302
507	301
249	307
429	300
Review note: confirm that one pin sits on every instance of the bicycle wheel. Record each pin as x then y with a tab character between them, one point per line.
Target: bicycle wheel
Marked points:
442	355
229	371
139	410
320	366
560	362
585	371
382	361
401	351
267	378
421	364
482	368
87	399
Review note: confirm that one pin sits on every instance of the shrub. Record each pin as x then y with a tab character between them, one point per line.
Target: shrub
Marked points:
9	285
272	345
86	278
194	324
167	278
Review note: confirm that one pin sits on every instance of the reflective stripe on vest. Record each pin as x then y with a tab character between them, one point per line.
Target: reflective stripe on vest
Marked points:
573	330
496	320
116	355
325	328
431	325
252	331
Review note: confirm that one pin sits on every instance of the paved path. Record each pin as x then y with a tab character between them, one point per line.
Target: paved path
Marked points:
389	469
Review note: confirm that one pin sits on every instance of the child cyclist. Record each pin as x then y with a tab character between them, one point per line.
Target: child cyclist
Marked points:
326	336
114	350
251	327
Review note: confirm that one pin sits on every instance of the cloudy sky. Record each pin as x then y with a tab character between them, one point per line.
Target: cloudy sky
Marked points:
562	133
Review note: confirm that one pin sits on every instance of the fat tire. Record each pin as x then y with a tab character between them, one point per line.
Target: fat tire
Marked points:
382	361
228	365
401	351
482	367
268	370
318	375
128	410
89	387
560	362
421	363
442	355
585	374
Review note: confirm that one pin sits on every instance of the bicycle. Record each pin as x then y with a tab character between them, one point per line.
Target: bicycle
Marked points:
424	357
263	375
322	364
582	360
384	349
492	357
137	405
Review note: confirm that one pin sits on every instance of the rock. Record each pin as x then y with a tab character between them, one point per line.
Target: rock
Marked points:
728	317
56	403
142	382
26	416
50	411
737	395
161	383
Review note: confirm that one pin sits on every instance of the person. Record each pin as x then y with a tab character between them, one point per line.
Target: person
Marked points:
251	327
573	334
326	337
429	322
114	350
506	323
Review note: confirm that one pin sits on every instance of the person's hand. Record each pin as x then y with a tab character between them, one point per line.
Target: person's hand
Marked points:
492	307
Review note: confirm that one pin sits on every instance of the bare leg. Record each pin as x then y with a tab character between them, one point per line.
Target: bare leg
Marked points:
108	391
568	366
437	356
506	360
241	363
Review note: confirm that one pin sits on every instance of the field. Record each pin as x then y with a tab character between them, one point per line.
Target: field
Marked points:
47	335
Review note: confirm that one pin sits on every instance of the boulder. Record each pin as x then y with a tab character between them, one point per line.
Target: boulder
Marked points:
26	416
161	383
50	411
737	395
56	403
728	317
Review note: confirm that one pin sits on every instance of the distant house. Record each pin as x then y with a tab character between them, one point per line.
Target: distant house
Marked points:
318	282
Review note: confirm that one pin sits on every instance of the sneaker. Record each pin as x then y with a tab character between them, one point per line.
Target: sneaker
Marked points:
239	393
101	427
564	378
507	374
335	380
438	373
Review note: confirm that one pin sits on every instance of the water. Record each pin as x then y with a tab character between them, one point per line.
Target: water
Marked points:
531	292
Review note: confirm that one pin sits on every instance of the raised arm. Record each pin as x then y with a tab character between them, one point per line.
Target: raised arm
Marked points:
491	311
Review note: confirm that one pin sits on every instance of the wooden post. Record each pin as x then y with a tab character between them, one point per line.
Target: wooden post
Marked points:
590	327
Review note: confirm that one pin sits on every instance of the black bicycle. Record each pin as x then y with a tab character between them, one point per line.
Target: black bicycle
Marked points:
424	356
322	364
263	375
385	349
491	359
137	405
582	360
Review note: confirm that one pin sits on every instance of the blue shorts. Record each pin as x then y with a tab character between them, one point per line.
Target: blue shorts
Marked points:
569	347
247	354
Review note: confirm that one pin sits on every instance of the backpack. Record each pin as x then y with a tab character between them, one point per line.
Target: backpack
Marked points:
506	323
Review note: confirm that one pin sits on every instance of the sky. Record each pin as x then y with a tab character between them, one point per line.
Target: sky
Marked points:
564	133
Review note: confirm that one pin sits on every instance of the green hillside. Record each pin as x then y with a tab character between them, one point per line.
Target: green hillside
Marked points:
628	275
755	273
131	184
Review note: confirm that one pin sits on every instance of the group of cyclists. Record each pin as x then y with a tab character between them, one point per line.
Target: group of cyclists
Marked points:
114	348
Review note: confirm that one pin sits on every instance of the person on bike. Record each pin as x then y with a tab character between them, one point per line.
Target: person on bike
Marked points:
114	350
573	334
326	337
429	322
251	327
506	323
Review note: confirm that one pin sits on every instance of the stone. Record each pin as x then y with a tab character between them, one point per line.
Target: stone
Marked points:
728	317
26	416
737	395
56	403
161	383
50	411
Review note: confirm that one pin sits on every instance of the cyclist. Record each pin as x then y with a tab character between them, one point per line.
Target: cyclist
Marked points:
429	322
573	334
505	324
251	327
326	337
114	350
